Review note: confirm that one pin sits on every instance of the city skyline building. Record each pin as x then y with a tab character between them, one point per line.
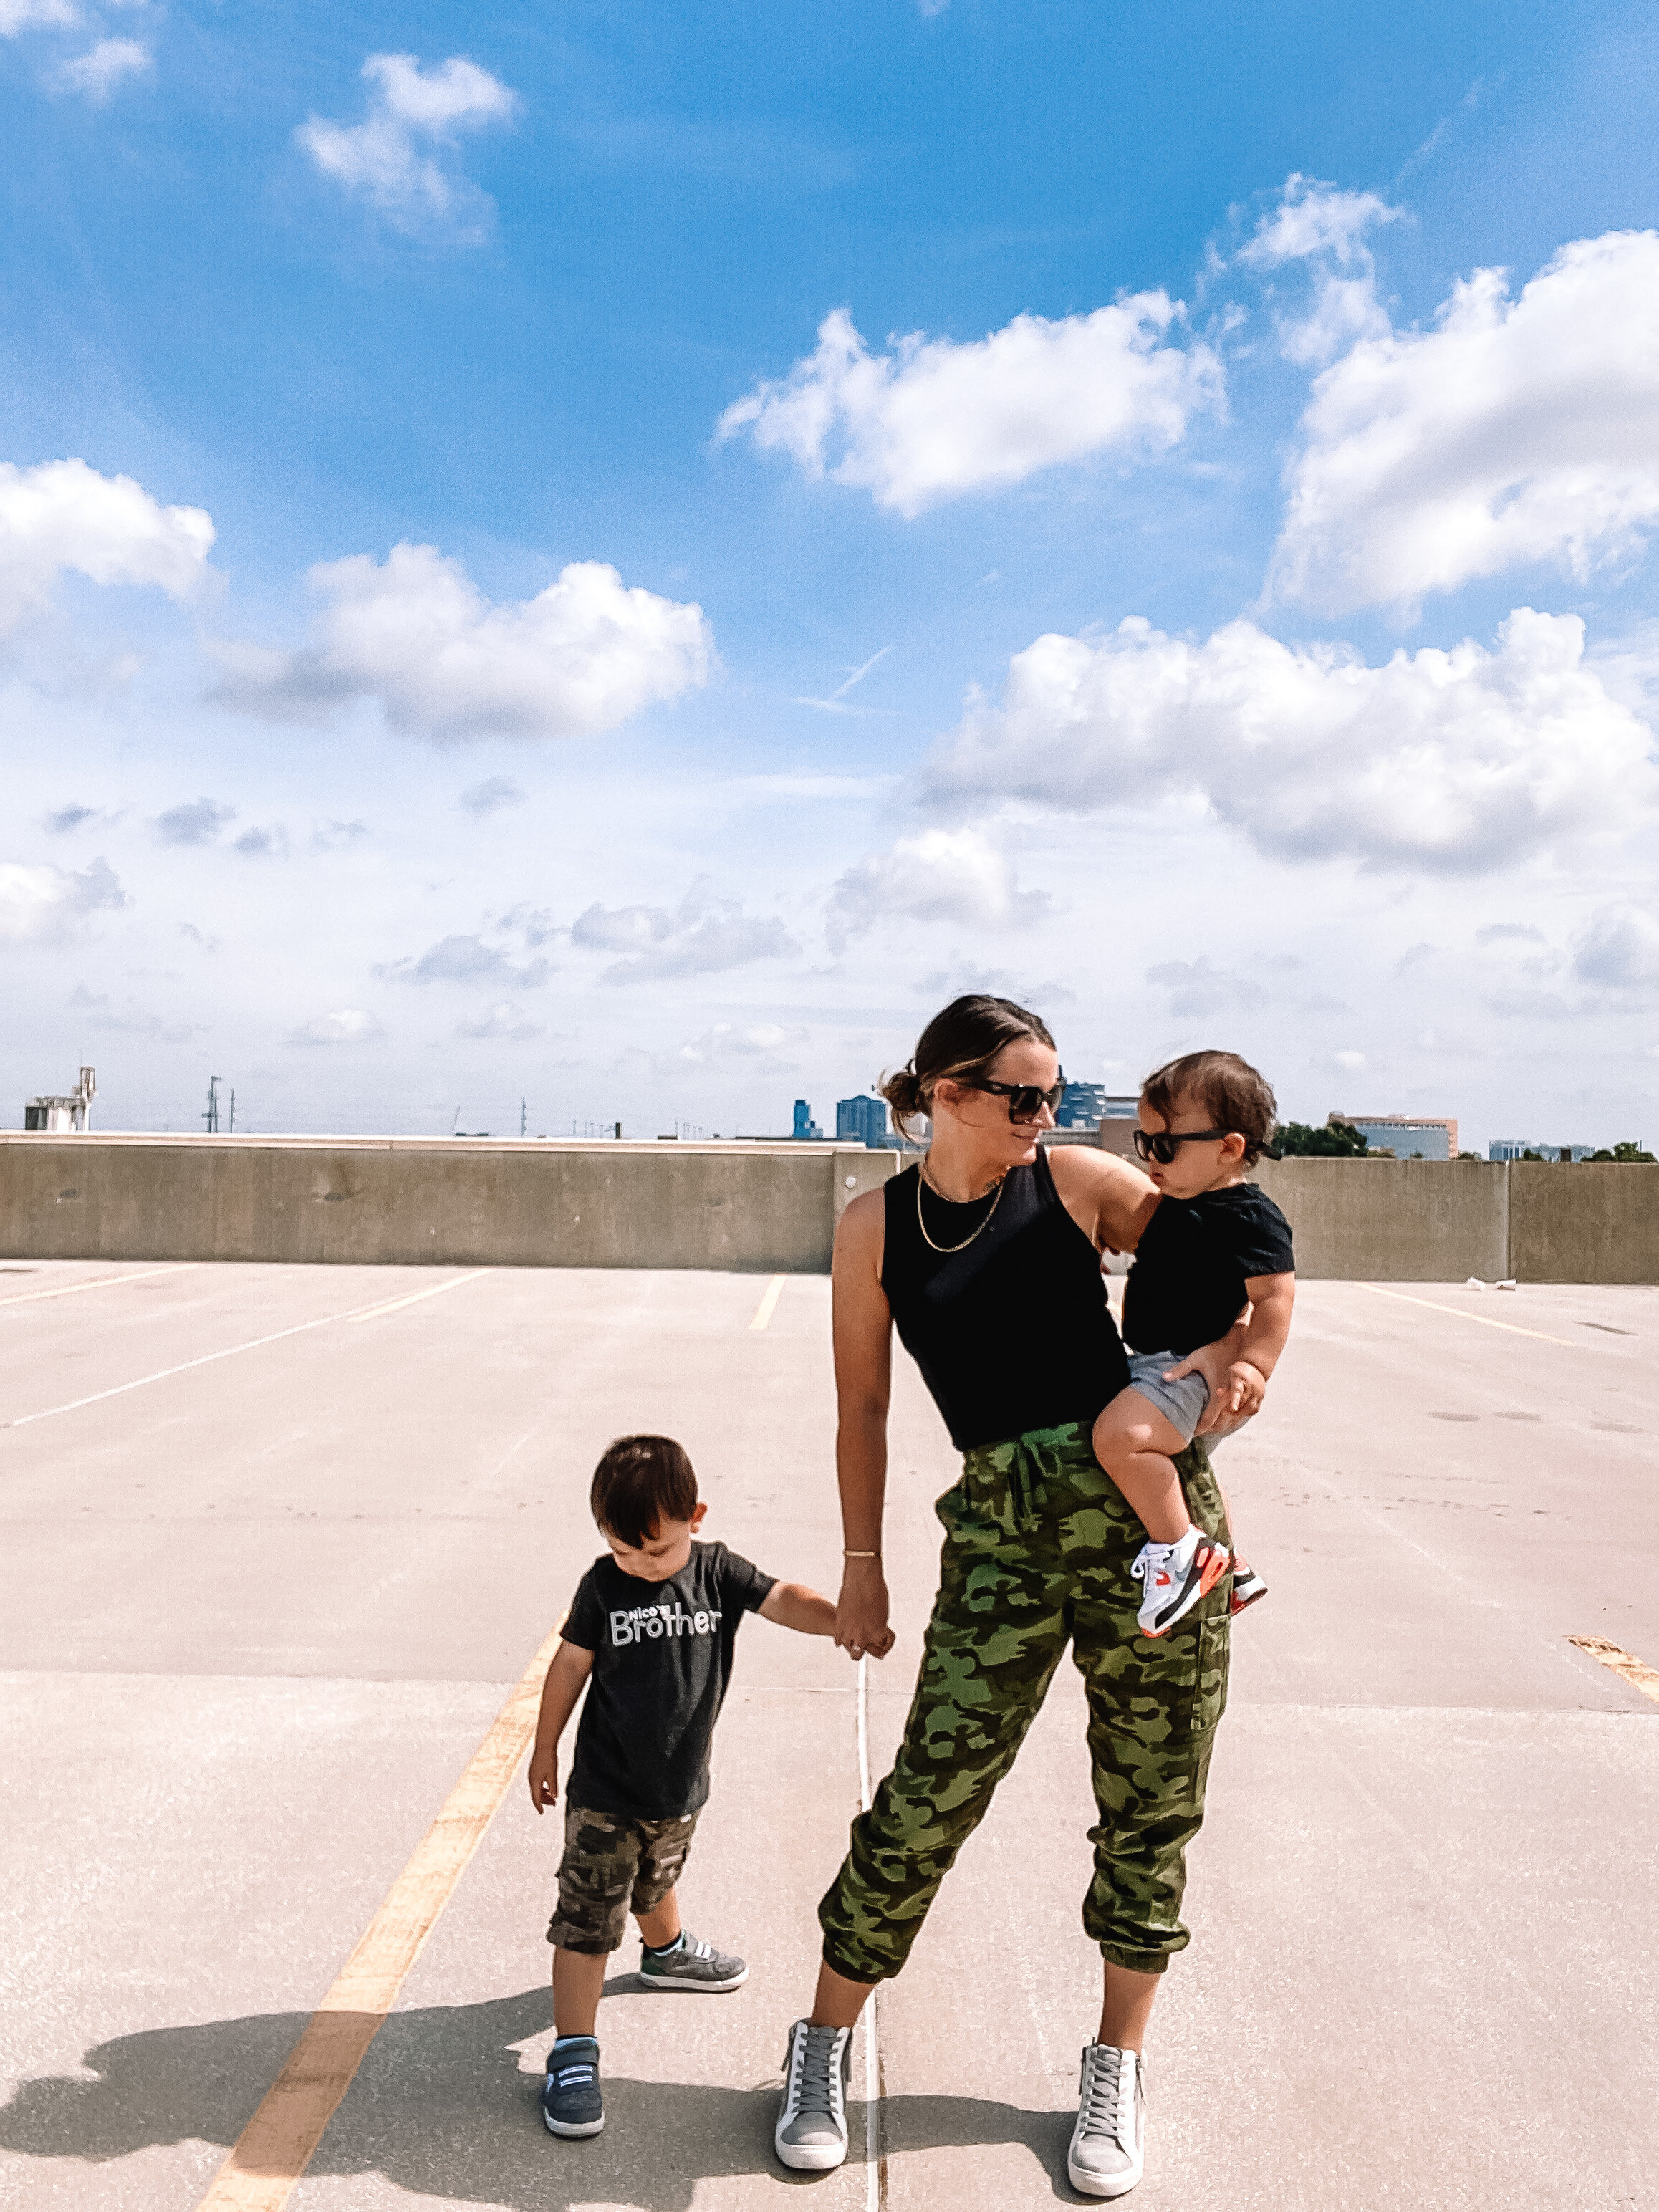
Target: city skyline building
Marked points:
1517	1148
1407	1136
862	1117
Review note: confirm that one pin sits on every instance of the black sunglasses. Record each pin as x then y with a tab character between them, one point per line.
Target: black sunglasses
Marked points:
1026	1100
1161	1146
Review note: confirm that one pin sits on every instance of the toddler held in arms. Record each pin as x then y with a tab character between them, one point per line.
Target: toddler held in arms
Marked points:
1215	1244
650	1635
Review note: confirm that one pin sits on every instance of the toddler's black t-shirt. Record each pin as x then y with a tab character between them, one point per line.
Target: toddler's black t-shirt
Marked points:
662	1659
1187	1285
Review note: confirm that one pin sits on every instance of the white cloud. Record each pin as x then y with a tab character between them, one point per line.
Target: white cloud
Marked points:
938	875
502	1020
95	75
1314	219
1621	947
1460	760
17	15
1316	225
351	1025
932	420
1196	987
62	515
196	822
493	794
1515	431
389	157
1350	1062
467	960
702	936
762	1041
40	904
417	634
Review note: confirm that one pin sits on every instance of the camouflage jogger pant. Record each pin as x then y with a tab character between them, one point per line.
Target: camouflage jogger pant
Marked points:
1037	1547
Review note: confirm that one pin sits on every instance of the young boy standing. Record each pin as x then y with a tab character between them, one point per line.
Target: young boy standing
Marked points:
650	1632
1215	1244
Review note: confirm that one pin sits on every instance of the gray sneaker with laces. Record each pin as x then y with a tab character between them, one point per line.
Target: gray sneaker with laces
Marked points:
693	1966
1108	2143
812	2130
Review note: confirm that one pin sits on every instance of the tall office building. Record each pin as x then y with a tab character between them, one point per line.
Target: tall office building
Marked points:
805	1127
1087	1105
864	1119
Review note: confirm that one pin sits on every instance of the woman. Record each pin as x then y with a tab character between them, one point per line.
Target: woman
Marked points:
987	1257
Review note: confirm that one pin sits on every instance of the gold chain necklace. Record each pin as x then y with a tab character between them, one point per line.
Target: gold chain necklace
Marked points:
922	1176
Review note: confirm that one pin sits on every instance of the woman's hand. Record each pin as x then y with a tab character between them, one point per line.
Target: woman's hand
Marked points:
861	1613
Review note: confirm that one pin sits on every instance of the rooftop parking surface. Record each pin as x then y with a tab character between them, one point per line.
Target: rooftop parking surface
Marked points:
280	1541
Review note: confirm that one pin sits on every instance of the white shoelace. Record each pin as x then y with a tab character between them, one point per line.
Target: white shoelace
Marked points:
1105	2092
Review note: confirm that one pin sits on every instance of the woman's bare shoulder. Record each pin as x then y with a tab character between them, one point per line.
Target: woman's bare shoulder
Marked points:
860	1232
1118	1194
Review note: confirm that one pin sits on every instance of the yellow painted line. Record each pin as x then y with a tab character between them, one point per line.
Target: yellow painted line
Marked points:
279	2142
97	1282
1462	1314
1644	1678
396	1305
769	1304
231	1351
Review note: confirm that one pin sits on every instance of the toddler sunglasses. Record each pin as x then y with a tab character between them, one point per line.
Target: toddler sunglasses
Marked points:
1161	1146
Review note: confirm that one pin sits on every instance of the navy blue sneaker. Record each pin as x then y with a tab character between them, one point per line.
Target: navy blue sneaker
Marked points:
572	2104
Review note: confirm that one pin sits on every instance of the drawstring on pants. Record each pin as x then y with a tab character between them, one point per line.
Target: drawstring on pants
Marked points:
1024	1482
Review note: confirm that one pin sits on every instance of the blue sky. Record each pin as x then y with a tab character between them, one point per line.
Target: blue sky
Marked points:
1181	326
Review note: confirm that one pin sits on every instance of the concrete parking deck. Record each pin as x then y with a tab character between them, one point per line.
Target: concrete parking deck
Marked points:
278	1542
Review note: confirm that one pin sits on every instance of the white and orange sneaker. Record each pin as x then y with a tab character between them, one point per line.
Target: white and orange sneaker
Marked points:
1176	1576
1247	1586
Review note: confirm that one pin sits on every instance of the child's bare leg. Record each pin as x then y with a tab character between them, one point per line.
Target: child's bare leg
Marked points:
578	1980
662	1926
1135	1443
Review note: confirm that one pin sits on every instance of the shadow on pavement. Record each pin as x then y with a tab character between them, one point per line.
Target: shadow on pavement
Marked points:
441	2108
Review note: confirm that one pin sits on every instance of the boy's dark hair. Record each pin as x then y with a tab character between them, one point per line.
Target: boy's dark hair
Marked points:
962	1041
1227	1088
641	1482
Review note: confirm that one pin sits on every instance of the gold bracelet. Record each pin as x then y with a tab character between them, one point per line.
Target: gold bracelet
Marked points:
860	1555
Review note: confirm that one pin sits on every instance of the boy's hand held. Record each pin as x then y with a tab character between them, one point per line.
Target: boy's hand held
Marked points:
1247	1388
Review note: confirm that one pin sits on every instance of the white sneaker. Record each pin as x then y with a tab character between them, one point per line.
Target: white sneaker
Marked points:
1108	2143
812	2130
1176	1576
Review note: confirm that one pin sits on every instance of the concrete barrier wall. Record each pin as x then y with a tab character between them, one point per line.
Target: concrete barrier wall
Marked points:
446	1201
1402	1221
1597	1222
458	1201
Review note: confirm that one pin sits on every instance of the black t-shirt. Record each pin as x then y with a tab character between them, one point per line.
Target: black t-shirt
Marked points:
662	1658
1187	1285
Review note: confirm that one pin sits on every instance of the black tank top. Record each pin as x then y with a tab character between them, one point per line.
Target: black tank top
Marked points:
1013	1332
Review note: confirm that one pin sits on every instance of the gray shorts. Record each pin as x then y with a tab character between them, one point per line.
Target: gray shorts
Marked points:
1182	1402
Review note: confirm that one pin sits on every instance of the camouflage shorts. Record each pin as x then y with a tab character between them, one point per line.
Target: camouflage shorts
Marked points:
1037	1547
613	1862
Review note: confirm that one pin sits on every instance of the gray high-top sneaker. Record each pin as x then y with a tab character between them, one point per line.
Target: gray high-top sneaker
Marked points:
811	2129
1108	2143
695	1966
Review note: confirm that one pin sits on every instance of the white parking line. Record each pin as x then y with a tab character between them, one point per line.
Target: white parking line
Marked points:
436	1291
232	1351
875	2162
97	1282
769	1304
1485	1319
